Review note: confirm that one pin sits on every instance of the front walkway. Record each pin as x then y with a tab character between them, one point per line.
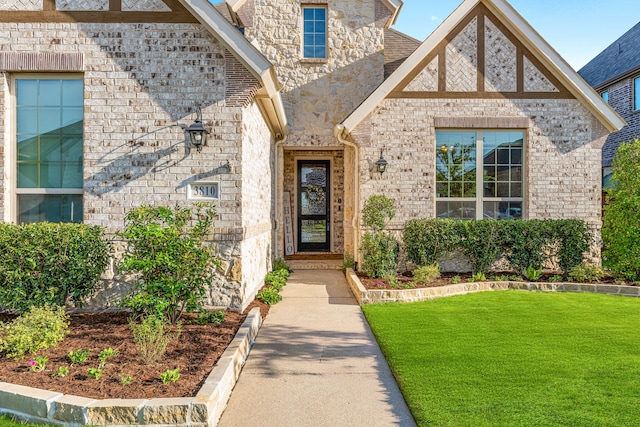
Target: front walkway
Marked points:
316	363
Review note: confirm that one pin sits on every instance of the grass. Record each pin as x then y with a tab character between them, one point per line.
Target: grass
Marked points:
515	358
6	421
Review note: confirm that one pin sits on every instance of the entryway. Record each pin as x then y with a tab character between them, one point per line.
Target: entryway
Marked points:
314	213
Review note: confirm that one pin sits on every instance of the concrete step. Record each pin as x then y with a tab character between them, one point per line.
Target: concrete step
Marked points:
327	264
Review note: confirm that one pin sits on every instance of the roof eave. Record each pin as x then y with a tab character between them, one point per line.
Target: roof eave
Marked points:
394	6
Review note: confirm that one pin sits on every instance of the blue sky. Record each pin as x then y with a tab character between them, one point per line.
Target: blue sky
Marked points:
577	29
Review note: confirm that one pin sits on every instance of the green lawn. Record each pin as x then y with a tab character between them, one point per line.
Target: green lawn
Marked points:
514	358
5	421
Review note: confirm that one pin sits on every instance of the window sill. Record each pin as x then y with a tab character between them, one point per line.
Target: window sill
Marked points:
314	61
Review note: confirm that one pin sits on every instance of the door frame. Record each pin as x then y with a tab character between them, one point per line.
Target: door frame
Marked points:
296	196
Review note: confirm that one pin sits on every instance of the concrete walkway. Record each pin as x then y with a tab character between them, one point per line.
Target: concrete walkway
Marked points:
316	363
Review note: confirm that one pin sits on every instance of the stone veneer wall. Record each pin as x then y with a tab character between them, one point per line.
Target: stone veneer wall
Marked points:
562	168
140	81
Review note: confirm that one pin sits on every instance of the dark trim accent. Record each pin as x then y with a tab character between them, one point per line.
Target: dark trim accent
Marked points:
622	76
47	5
115	5
97	16
519	69
175	5
481	95
442	70
481	53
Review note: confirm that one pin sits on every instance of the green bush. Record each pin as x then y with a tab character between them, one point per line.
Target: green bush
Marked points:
269	296
167	249
280	264
531	273
426	274
276	279
428	240
152	337
621	229
586	273
527	242
574	239
379	249
206	317
35	330
47	263
481	242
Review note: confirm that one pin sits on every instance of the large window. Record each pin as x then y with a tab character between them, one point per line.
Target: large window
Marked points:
479	174
636	93
49	149
314	32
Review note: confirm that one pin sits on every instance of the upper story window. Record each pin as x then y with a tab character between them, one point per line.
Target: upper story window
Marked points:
605	96
479	174
49	114
636	93
314	44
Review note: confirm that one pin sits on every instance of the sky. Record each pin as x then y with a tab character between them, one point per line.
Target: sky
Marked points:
577	29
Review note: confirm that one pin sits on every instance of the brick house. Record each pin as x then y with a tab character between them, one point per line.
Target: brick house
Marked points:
302	100
615	74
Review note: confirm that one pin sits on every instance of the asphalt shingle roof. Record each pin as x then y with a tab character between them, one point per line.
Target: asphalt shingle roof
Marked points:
397	47
620	57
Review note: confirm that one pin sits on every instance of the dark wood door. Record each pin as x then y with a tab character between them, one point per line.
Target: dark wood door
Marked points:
314	196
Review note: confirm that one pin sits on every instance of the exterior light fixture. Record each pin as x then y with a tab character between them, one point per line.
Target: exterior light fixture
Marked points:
381	164
197	132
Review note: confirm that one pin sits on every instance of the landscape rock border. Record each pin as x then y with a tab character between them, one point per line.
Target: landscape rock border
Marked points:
205	409
376	296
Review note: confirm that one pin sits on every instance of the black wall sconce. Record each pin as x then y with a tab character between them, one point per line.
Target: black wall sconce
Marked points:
381	164
197	132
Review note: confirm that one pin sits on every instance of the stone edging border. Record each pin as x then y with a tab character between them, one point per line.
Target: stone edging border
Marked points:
204	409
375	296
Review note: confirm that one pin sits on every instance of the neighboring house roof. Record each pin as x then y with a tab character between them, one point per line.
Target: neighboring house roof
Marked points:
528	37
268	96
615	62
397	47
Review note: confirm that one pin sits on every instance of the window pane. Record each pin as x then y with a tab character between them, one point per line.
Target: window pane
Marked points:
72	93
48	119
458	210
502	210
52	208
320	14
70	117
27	92
27	120
309	14
28	149
636	93
27	175
313	231
49	93
320	52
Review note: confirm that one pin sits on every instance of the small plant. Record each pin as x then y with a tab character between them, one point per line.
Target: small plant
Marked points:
38	363
586	273
152	338
276	279
409	285
170	376
455	280
95	373
280	264
380	284
125	379
379	249
78	357
499	278
515	278
37	329
531	273
478	277
62	372
348	261
104	355
206	317
269	296
556	278
394	283
426	274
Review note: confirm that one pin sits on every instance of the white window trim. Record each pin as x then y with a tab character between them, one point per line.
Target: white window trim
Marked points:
11	211
324	6
479	199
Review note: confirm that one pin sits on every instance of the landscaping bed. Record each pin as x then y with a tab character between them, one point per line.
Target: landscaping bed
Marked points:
195	353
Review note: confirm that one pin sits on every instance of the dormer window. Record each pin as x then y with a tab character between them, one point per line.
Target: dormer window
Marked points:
314	44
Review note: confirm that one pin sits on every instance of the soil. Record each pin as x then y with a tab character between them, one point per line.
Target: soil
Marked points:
195	353
405	281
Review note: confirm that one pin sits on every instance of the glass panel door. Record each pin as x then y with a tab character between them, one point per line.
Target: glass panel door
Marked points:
313	206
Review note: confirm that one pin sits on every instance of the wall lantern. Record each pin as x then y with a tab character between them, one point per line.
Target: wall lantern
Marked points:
197	132
381	164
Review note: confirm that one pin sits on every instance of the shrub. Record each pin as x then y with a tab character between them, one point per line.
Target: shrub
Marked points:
574	239
47	263
621	229
166	248
152	338
426	274
481	242
280	264
428	240
348	261
213	317
276	279
586	273
269	296
379	250
531	273
526	242
37	329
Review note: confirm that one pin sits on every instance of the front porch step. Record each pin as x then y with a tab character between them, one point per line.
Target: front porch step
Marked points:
302	264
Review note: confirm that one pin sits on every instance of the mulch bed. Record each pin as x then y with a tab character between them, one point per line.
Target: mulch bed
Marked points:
194	353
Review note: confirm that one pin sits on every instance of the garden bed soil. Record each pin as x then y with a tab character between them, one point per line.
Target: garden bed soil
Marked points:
195	353
405	281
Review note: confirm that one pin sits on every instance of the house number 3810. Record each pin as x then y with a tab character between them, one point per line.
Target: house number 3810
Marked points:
204	191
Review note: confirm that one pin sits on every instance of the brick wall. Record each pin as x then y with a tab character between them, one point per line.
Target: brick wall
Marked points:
621	99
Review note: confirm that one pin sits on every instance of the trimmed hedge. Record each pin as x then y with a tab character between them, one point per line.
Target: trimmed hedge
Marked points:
524	243
50	263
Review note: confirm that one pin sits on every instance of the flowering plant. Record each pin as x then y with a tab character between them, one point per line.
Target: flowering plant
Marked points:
38	363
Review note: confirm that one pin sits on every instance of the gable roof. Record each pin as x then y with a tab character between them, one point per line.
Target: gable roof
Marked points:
268	96
528	37
615	61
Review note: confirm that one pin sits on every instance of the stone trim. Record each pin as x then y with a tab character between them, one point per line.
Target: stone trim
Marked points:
374	296
482	122
204	409
41	61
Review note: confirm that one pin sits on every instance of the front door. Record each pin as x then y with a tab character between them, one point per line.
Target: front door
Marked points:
314	218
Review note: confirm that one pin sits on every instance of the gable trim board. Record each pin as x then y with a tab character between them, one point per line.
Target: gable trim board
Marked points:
542	55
